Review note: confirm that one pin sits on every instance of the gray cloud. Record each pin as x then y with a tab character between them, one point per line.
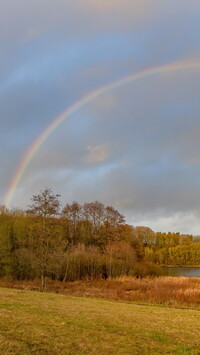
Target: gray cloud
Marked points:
136	147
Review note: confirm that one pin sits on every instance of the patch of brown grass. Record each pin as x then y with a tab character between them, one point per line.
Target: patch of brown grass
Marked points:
174	291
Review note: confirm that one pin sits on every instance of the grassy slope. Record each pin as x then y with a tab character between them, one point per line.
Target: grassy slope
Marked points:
42	323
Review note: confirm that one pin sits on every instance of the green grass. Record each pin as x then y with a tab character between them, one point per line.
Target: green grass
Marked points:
42	323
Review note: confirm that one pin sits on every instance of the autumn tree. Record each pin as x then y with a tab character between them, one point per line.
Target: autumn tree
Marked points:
73	214
95	213
4	210
45	237
45	204
113	217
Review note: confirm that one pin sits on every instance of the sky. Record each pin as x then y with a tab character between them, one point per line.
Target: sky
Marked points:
135	147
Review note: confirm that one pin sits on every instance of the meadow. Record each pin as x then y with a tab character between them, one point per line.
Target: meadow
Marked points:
47	323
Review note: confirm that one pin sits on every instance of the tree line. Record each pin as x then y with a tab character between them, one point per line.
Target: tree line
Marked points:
84	241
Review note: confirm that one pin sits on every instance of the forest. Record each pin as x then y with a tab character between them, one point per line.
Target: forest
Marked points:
88	241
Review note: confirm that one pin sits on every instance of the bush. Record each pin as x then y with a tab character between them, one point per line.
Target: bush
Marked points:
141	270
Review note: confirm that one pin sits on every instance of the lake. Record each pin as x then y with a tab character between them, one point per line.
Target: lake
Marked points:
182	271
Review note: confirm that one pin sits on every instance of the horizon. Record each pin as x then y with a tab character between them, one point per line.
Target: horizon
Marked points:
127	221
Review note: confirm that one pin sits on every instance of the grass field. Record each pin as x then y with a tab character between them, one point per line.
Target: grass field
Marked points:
44	323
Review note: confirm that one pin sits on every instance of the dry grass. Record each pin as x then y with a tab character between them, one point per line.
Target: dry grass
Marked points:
174	291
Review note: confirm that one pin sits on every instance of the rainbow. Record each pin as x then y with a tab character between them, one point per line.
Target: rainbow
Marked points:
85	100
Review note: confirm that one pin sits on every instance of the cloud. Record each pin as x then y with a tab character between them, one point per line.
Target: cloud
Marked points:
185	223
55	52
97	154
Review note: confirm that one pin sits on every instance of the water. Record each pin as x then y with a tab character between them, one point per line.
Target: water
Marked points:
182	271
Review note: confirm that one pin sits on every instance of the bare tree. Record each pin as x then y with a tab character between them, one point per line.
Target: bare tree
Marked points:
45	238
45	204
95	213
113	217
73	213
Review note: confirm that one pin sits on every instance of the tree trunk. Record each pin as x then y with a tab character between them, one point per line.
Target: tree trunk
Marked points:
66	271
110	271
43	282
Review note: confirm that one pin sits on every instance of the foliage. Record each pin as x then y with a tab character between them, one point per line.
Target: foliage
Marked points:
88	241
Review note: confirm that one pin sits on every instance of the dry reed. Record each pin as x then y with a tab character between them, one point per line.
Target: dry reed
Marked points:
167	290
